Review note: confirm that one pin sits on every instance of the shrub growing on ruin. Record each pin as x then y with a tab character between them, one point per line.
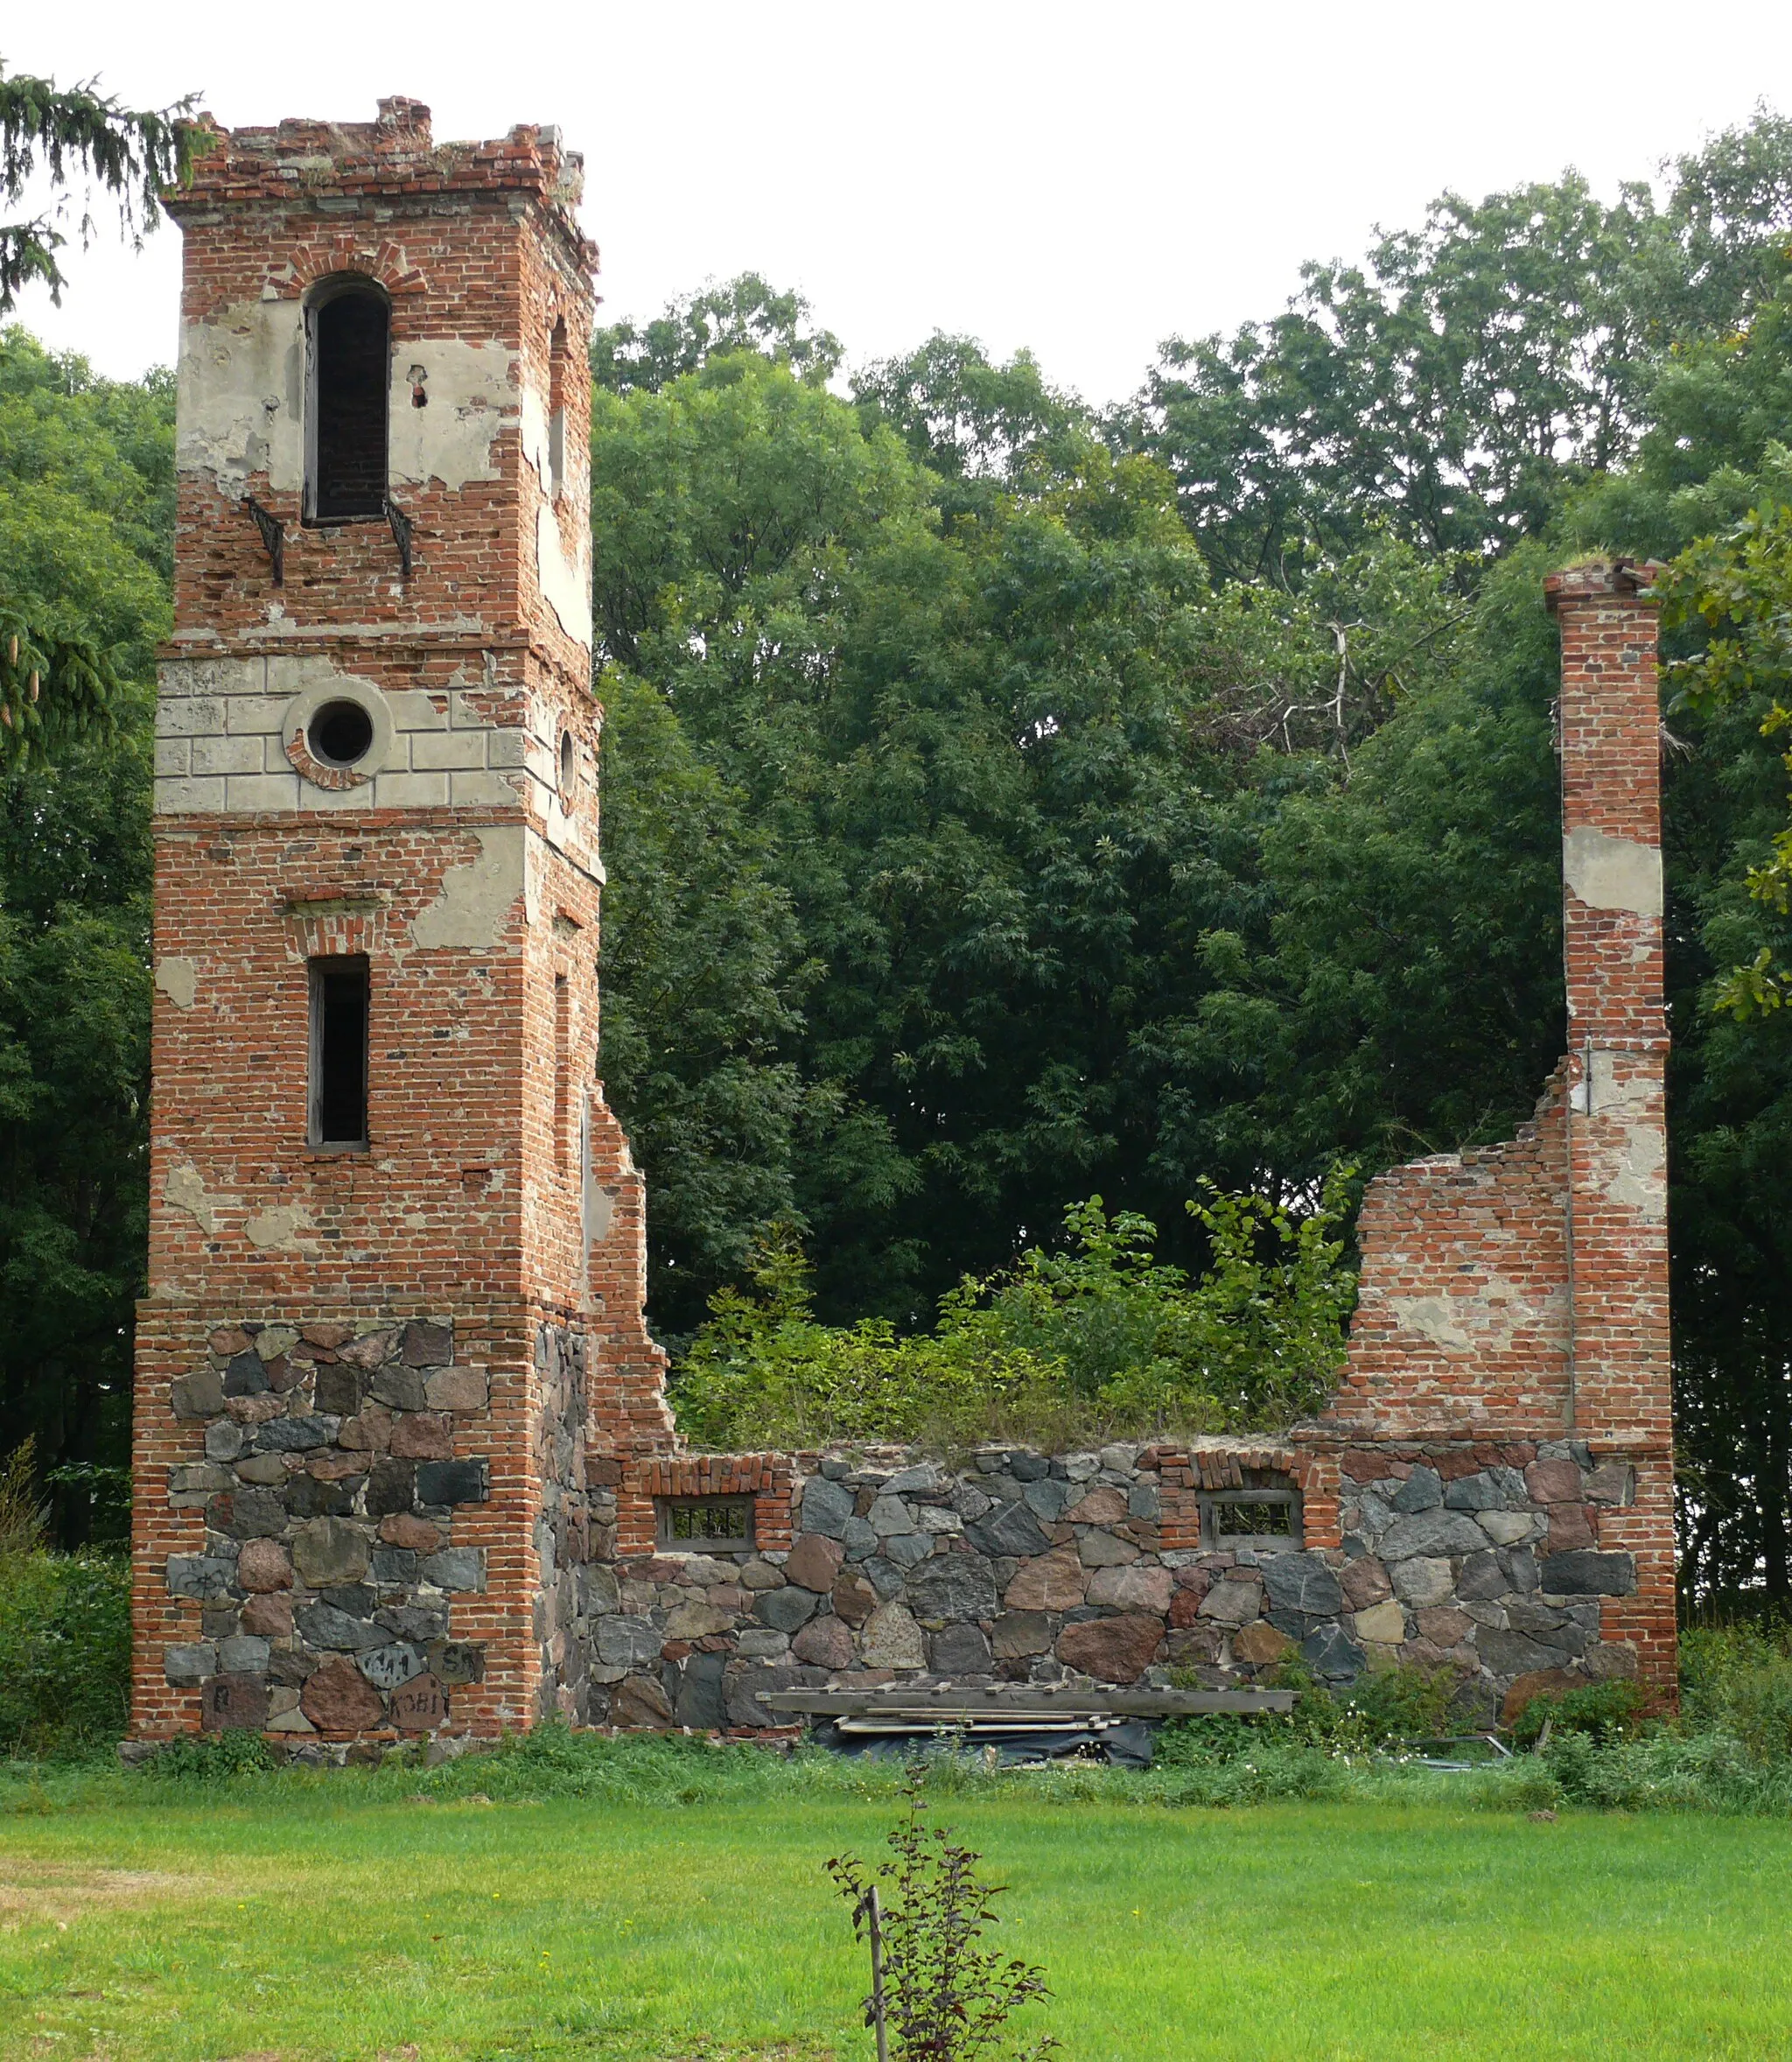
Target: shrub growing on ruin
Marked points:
1094	1339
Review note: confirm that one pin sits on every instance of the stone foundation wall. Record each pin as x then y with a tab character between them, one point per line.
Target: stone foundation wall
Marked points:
1089	1569
334	1562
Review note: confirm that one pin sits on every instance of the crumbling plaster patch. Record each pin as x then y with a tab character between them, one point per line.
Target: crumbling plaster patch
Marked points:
239	396
279	1230
1489	1320
178	979
475	900
565	584
1609	872
184	1188
241	402
1630	1139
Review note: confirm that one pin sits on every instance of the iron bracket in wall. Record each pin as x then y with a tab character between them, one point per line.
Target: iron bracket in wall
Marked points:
402	530
273	536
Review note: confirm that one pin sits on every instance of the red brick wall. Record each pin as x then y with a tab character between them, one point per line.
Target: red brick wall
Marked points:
462	864
1522	1292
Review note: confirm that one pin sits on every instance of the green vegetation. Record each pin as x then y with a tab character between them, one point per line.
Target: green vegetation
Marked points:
1060	1350
1006	805
347	1917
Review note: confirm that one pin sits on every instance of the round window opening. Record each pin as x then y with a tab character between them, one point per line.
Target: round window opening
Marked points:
568	761
341	733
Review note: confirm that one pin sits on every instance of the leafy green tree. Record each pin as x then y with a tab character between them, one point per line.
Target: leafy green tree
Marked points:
57	682
744	314
86	528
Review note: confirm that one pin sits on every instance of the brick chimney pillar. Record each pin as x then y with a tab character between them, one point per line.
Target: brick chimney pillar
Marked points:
1619	1398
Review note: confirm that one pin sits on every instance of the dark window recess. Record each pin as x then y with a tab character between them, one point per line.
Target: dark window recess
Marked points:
350	375
705	1525
339	1113
1265	1512
340	733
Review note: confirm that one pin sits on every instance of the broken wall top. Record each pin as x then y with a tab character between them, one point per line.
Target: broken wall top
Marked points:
302	162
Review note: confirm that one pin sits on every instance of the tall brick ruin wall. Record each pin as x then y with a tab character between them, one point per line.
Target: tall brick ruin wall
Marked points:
401	1446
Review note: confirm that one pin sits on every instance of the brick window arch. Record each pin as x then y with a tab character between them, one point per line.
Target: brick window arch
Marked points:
348	348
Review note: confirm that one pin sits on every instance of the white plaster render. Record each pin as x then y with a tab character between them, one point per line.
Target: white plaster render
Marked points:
475	901
1489	1320
1630	1139
1608	873
240	402
239	396
279	1230
566	587
223	725
472	392
178	979
184	1188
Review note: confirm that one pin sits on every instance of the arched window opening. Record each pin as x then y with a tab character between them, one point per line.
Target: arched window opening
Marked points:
557	410
348	336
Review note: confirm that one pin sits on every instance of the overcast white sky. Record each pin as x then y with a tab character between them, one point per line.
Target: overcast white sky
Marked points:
1082	179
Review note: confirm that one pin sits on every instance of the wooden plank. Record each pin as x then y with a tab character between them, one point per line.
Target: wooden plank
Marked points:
953	1708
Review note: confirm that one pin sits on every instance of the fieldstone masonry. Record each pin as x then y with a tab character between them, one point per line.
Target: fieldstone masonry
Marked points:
403	1463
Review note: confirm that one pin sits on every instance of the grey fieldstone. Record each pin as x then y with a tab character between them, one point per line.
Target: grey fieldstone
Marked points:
1330	1652
959	1650
1494	1488
597	1589
826	1507
1584	1573
399	1386
242	1654
858	1539
1431	1533
626	1643
1049	1498
888	1516
323	1625
1026	1467
245	1375
761	1643
390	1666
419	1624
1506	1528
969	1501
1142	1501
923	1480
1422	1491
328	1550
907	1549
454	1482
296	1435
185	1667
1012	1529
223	1441
952	1585
884	1574
1514	1653
248	1514
1302	1583
266	1470
1421	1581
1097	1549
784	1609
396	1565
199	1395
457	1567
700	1703
200	1575
1482	1578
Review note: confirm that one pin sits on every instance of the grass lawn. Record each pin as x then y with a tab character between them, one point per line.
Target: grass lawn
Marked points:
311	1925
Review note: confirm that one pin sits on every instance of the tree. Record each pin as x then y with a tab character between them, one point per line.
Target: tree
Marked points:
744	314
86	531
56	683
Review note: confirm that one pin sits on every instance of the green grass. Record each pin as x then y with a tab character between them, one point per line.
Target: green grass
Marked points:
331	1920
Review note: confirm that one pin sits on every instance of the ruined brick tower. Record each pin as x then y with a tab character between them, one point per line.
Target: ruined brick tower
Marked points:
396	1261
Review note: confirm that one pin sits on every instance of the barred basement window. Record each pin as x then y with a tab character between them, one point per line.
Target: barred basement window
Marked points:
348	325
339	1051
704	1524
1265	1512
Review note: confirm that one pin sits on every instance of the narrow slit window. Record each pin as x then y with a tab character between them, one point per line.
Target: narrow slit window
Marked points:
339	1059
556	411
704	1524
562	1060
1264	1512
348	330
